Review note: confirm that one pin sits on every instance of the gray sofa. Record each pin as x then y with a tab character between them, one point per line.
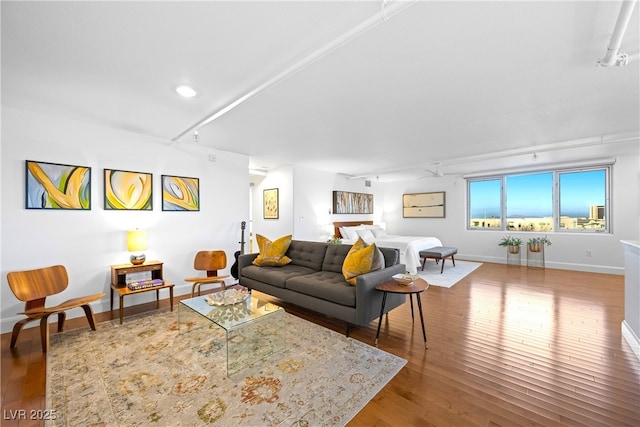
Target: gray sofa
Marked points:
313	279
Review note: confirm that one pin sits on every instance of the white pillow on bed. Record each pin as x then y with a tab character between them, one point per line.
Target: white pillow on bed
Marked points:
366	235
348	232
343	232
378	231
351	233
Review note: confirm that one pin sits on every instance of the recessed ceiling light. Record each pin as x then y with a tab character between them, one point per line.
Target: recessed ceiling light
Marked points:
186	91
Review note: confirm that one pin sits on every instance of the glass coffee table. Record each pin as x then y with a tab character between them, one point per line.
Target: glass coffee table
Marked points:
253	329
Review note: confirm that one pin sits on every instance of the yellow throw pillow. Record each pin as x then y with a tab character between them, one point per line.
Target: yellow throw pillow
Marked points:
358	261
272	253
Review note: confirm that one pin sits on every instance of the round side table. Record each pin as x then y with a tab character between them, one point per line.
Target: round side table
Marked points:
393	286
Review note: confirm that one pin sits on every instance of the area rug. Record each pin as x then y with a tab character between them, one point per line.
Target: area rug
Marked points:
144	372
451	274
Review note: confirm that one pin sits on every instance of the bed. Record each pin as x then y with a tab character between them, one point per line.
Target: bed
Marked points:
409	246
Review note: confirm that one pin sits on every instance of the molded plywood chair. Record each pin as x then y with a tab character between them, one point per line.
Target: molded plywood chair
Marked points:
211	262
33	287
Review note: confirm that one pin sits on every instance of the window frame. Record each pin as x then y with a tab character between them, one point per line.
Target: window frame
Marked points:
556	219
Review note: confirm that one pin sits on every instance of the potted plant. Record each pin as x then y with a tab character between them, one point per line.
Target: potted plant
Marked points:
335	240
512	243
536	244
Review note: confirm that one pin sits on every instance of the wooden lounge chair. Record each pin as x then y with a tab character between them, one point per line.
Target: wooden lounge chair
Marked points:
33	287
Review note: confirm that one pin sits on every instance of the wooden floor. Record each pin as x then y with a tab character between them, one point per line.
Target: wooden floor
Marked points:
508	346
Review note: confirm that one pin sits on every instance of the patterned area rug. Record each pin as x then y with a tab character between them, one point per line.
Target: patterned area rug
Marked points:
450	276
144	372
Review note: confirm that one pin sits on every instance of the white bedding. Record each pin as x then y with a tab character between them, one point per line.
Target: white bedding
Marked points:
409	247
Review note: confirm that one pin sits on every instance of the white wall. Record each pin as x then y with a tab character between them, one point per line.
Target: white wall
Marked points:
282	179
312	209
314	202
305	210
88	242
568	250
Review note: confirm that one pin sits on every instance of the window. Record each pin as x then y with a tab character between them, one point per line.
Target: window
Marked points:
529	202
556	200
485	201
583	200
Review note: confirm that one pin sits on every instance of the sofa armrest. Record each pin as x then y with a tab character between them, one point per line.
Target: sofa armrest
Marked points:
244	261
368	300
370	280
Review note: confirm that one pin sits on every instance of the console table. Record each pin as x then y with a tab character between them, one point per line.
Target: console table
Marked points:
118	282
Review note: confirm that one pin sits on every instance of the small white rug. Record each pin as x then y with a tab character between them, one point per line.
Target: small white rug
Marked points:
451	274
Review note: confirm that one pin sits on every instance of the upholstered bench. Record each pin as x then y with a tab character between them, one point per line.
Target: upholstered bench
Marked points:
438	253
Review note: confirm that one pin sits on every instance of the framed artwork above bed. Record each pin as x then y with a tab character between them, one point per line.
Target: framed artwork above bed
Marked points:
345	202
423	205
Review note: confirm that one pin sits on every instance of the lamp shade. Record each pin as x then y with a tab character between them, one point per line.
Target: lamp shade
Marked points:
136	240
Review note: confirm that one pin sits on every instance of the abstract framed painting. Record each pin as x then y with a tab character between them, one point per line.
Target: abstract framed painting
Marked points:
126	190
345	202
423	205
57	186
270	208
180	193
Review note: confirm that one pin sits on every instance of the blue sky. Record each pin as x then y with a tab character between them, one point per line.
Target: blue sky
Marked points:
532	195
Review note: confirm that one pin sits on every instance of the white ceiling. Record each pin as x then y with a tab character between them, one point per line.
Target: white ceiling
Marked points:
436	82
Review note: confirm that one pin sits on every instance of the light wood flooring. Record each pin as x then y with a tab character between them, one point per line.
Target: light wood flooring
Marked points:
508	346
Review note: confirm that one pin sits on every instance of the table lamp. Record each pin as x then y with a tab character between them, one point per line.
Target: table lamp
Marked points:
136	243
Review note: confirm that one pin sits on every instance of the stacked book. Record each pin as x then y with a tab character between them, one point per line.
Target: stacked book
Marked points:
145	284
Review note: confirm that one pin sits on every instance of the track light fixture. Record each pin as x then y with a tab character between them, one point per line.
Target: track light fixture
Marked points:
613	55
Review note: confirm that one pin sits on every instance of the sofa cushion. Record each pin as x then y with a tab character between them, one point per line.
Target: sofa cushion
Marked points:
307	254
272	253
325	285
391	256
276	276
334	258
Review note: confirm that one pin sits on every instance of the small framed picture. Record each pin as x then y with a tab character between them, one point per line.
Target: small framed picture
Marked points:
180	193
270	207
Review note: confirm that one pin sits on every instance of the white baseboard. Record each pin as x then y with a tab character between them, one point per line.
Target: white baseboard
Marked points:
631	338
558	265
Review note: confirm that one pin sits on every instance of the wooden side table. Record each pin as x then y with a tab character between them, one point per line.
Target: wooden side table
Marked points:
118	282
393	286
